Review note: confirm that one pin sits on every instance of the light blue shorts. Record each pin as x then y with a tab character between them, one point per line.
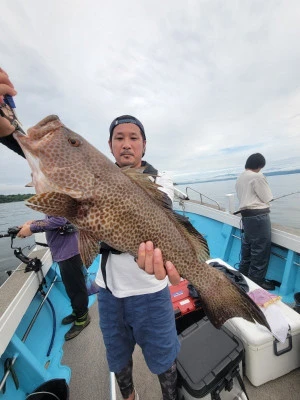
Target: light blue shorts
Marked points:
147	320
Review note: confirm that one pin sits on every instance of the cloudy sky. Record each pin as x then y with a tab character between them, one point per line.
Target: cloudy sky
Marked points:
212	81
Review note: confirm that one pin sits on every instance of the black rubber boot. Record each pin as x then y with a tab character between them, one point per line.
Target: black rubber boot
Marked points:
264	284
69	319
78	326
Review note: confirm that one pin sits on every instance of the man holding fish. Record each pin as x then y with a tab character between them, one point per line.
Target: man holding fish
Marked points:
134	306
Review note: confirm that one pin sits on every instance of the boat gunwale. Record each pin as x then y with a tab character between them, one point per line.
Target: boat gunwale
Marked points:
16	294
280	237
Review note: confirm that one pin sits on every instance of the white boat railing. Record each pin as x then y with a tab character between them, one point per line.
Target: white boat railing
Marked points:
202	197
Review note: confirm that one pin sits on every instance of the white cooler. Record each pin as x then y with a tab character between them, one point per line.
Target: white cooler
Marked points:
265	357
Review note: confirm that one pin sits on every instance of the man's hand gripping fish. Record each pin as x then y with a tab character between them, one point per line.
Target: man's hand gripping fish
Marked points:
123	208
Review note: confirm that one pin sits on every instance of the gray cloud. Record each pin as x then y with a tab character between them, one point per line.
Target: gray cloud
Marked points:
203	76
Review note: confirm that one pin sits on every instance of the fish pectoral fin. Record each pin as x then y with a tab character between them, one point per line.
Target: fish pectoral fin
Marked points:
88	247
53	203
225	300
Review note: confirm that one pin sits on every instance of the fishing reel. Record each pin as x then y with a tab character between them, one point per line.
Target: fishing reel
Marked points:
13	231
32	264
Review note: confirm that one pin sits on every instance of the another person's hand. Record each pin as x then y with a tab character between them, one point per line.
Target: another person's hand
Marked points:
25	230
151	261
6	87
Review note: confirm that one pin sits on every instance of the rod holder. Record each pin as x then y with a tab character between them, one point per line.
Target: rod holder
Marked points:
230	203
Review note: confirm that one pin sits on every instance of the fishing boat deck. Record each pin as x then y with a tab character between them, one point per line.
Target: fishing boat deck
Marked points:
90	379
85	354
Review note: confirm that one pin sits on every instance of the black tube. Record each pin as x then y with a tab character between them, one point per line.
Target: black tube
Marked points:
54	327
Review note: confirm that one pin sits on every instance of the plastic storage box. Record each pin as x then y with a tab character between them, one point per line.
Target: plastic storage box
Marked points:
265	357
209	363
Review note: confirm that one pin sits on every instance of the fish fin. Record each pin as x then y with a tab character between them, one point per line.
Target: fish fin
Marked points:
225	300
53	203
88	247
198	242
146	184
29	184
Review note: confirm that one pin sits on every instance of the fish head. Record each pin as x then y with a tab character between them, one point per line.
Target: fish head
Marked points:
60	159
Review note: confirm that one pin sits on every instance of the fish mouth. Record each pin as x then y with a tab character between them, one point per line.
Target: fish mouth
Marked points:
34	145
31	141
38	131
46	121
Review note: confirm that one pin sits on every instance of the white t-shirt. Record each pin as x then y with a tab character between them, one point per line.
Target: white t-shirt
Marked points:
123	275
253	190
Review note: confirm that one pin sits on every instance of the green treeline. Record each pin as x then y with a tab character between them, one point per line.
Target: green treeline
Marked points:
14	197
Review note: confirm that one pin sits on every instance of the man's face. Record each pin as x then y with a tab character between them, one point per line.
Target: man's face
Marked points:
127	145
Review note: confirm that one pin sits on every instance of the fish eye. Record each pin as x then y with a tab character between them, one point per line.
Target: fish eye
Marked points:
74	142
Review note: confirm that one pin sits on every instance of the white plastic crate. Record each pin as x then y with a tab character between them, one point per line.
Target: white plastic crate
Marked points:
265	357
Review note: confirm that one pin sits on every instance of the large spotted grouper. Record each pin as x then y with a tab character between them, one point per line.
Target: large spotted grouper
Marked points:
123	208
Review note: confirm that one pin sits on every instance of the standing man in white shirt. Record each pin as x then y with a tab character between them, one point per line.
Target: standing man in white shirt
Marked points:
134	306
254	195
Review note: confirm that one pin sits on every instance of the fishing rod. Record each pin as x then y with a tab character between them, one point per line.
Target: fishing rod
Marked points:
285	195
11	232
276	198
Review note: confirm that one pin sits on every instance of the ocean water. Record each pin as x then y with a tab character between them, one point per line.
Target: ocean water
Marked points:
284	211
14	214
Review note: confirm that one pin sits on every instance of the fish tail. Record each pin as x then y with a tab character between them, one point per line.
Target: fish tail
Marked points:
224	300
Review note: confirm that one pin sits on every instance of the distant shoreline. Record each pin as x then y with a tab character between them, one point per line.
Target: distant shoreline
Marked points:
234	176
11	198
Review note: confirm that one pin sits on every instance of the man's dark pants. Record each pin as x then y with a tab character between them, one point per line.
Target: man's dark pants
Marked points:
256	246
74	281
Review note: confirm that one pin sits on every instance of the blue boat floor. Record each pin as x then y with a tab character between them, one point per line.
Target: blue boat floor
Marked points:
90	379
